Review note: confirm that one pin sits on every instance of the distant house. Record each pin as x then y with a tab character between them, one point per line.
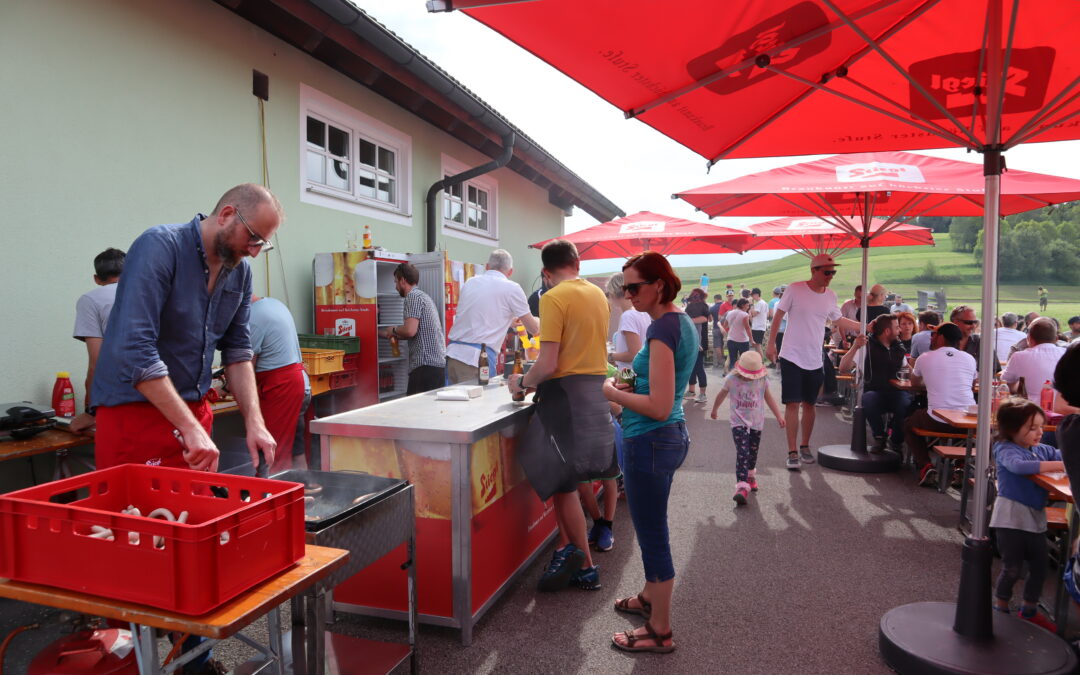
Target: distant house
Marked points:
119	115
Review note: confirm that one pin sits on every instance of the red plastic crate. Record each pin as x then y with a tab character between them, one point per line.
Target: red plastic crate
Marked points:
344	379
351	362
44	540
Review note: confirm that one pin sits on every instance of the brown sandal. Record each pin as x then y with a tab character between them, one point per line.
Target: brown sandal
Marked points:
657	647
644	610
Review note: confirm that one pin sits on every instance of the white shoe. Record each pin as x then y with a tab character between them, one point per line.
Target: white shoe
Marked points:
701	398
689	394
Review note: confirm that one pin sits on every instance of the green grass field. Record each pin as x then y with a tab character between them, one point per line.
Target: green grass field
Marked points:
895	267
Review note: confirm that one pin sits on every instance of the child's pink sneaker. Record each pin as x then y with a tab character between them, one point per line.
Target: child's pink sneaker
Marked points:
751	479
742	490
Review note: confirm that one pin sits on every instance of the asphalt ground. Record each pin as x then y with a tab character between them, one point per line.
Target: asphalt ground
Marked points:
794	582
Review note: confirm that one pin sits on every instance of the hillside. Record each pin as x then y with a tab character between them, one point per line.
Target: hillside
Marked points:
895	267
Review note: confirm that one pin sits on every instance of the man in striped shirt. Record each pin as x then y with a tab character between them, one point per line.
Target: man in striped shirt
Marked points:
423	330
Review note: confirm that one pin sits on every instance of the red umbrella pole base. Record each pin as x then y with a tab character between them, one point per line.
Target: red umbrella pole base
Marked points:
919	638
846	458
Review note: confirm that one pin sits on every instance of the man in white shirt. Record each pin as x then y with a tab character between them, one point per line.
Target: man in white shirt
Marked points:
759	316
1006	336
489	303
899	306
1034	365
92	316
850	310
948	374
920	342
806	305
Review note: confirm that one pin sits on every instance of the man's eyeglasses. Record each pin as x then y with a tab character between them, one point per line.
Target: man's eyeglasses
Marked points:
827	273
255	240
633	289
969	322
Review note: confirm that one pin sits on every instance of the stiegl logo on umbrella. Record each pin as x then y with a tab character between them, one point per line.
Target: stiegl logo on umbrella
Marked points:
642	227
905	173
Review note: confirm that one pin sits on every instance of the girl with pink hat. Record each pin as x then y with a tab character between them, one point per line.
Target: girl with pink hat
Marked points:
750	394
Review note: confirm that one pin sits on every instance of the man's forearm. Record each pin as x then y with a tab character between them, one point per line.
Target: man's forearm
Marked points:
162	395
241	379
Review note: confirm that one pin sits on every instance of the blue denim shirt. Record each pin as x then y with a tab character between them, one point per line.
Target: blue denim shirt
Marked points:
165	323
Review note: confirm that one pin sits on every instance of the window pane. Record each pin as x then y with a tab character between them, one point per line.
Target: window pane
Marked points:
339	142
366	183
455	212
316	167
446	208
483	221
367	152
472	195
316	132
386	189
386	161
472	217
482	201
338	175
456	190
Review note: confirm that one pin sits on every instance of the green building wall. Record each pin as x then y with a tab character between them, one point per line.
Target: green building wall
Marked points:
120	115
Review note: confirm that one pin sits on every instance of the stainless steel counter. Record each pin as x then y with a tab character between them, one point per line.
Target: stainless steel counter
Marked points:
423	418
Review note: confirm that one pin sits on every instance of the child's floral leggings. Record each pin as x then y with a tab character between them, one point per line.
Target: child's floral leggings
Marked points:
747	441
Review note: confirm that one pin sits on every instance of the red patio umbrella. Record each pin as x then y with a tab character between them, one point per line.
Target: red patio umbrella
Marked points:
753	78
644	230
810	236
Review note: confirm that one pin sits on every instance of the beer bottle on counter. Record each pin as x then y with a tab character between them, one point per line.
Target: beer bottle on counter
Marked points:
518	370
484	370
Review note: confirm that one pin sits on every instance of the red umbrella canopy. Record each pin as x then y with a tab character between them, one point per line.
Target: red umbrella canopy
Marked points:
902	183
694	69
630	235
813	235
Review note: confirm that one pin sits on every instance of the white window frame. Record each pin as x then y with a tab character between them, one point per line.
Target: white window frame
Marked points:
359	125
485	182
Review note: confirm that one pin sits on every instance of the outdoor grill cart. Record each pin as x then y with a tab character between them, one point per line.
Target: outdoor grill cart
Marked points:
235	552
478	521
370	517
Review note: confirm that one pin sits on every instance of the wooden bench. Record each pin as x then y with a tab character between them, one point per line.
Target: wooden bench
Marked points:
947	458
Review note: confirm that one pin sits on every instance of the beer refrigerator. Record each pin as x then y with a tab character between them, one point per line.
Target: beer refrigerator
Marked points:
354	295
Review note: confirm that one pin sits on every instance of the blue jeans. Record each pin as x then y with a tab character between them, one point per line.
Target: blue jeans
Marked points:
650	461
697	375
876	404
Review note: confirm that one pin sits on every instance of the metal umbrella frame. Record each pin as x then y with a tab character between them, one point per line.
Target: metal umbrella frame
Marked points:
771	66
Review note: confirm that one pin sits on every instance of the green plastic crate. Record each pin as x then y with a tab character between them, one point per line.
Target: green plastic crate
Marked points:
350	345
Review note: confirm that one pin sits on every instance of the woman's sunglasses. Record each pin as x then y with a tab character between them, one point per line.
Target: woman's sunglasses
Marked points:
633	289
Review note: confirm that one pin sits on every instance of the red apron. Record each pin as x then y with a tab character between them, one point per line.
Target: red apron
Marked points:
281	394
138	433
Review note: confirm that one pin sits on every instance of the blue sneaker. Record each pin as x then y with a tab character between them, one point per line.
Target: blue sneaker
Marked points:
587	578
563	565
601	537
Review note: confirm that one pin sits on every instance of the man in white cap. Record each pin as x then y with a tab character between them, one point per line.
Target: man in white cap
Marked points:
806	305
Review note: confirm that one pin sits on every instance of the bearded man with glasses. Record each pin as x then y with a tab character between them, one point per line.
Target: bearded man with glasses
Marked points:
806	305
968	322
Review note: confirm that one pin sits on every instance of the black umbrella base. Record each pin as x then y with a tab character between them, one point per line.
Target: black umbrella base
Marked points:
843	458
919	638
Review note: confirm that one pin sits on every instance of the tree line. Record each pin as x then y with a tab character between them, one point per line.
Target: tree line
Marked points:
1036	246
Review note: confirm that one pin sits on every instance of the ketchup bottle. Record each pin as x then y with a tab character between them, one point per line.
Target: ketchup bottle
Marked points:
63	395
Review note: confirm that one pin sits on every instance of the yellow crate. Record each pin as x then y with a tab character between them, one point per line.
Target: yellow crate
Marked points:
319	361
320	384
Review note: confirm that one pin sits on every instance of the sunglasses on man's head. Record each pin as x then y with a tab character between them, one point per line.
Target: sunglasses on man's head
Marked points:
633	289
969	322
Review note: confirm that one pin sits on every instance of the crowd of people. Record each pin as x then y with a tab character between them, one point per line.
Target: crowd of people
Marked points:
184	291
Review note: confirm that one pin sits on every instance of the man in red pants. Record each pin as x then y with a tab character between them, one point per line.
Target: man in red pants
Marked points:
185	292
279	374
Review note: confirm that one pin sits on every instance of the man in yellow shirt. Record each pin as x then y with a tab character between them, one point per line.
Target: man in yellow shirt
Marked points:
569	376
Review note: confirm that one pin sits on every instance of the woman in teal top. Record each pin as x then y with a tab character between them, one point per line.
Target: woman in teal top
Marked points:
655	441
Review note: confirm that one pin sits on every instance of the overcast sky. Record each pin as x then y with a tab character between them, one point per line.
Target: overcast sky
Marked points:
629	162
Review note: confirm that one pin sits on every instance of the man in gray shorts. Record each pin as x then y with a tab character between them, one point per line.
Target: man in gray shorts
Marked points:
806	305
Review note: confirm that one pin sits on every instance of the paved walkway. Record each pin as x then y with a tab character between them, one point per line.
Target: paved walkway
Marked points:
794	582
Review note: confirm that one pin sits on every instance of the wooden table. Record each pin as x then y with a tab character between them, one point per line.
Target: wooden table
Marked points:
226	621
47	441
968	423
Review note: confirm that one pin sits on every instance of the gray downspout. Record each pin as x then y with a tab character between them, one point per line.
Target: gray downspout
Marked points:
439	186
